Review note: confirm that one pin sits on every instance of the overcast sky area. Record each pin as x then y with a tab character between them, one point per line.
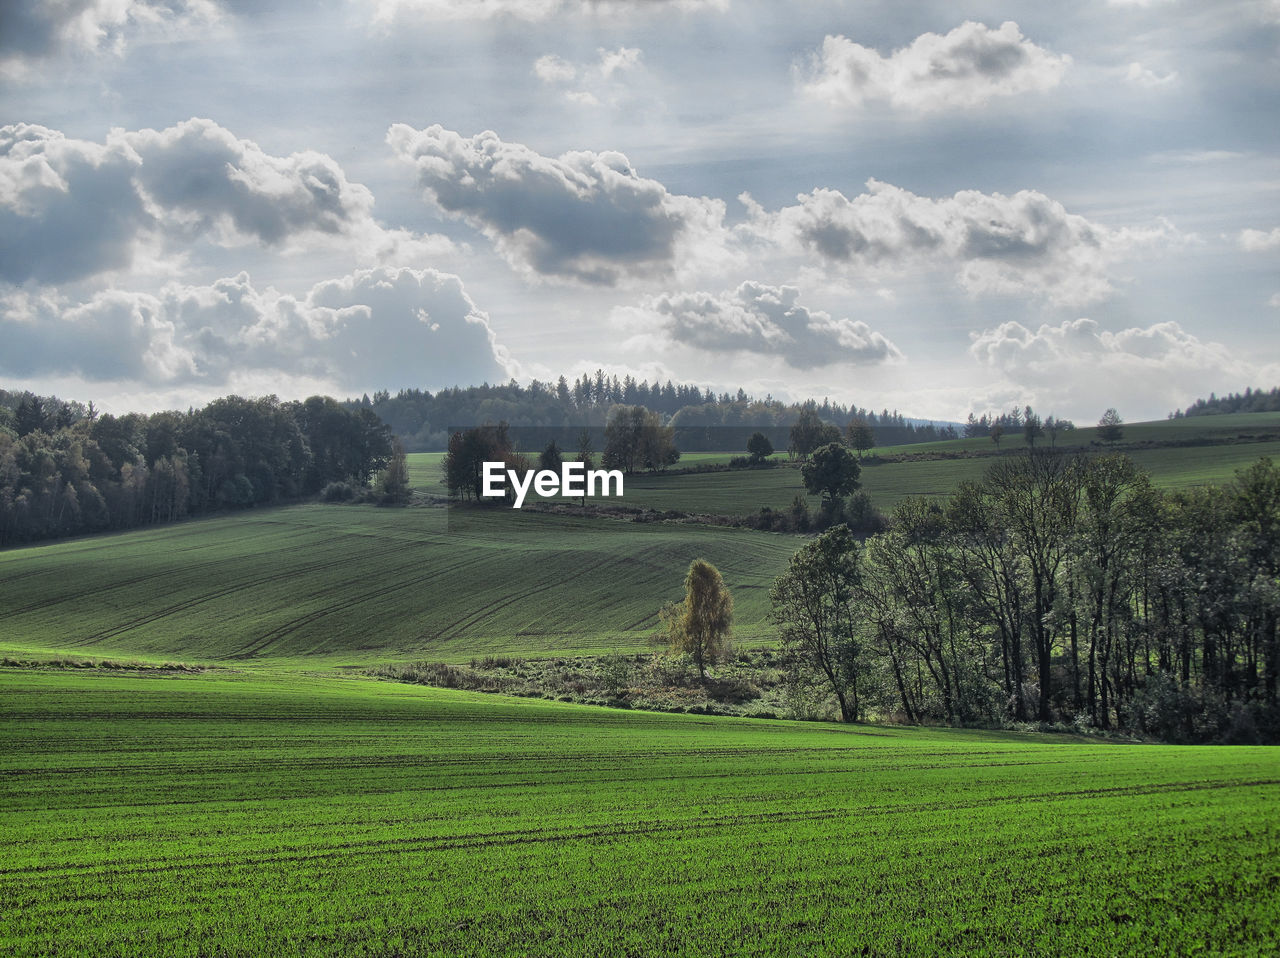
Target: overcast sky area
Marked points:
935	207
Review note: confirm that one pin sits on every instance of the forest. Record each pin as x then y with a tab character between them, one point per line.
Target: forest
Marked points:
1059	589
546	412
66	469
1251	400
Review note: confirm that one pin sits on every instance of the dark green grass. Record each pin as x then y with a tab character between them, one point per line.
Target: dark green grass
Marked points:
357	584
232	814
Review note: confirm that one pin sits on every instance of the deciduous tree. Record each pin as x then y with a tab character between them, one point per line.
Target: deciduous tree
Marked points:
813	607
700	625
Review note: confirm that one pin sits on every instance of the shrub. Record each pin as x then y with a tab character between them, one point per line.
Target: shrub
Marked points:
338	492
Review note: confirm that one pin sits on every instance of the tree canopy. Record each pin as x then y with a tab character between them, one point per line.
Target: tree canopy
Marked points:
832	472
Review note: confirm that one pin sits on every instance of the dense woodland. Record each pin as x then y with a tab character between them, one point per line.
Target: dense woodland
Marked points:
701	419
1058	589
66	469
1251	400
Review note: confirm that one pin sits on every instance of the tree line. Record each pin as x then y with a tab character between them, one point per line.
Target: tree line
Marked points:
1251	400
700	418
1059	590
633	438
66	469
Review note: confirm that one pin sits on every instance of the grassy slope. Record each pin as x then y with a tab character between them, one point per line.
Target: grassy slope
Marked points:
288	814
1223	444
337	585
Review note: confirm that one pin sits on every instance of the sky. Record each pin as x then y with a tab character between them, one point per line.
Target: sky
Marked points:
935	207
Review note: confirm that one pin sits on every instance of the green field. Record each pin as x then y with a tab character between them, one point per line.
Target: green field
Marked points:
338	585
744	491
284	802
260	814
1178	453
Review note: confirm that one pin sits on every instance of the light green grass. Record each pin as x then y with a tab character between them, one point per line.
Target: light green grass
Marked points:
234	814
356	584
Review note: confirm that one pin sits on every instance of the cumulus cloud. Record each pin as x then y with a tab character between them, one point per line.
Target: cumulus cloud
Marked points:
964	68
71	208
115	336
386	11
1140	365
68	208
1259	241
371	328
583	216
1024	243
30	32
757	318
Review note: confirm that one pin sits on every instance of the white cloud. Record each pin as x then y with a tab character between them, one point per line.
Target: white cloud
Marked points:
369	329
33	31
72	208
554	69
1259	241
1026	243
387	11
607	80
1145	77
583	216
618	61
1137	367
964	68
1274	301
762	319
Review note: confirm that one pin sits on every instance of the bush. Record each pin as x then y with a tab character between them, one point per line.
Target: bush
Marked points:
338	492
862	517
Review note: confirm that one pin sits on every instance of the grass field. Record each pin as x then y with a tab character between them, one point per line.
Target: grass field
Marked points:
337	585
745	491
282	803
270	814
1195	451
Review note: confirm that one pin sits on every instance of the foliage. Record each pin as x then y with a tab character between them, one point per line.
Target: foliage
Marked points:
1251	400
551	458
810	432
635	438
813	606
469	450
859	435
1069	589
338	492
1109	426
700	625
832	471
76	471
759	447
701	419
393	482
